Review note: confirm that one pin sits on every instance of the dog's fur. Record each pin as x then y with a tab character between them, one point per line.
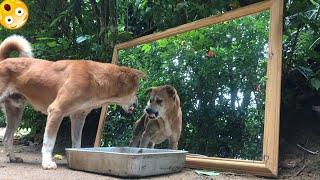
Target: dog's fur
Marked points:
162	119
59	89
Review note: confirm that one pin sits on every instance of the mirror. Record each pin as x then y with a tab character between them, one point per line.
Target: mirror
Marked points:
227	72
220	77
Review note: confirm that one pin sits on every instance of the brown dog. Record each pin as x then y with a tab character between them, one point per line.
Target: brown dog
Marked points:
162	119
59	89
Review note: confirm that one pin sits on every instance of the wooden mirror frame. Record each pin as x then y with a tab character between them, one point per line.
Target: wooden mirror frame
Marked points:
269	164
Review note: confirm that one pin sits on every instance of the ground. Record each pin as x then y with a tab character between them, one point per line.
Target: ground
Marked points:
295	163
31	169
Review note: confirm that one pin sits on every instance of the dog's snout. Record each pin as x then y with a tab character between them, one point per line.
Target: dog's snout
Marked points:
149	110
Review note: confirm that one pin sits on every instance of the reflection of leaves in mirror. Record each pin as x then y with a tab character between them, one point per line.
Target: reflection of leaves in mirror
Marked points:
220	74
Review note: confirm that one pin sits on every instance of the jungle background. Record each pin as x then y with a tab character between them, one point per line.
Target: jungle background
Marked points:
89	29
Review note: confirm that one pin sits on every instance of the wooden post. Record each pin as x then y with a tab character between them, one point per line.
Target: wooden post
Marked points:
97	142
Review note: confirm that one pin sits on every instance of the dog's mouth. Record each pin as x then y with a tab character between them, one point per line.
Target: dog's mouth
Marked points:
153	115
131	109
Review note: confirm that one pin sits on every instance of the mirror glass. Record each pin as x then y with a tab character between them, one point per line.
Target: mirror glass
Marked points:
220	73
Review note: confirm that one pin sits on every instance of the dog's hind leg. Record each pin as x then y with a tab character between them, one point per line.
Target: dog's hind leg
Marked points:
77	122
55	116
13	108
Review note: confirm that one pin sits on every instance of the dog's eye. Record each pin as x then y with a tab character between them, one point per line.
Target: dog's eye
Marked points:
159	101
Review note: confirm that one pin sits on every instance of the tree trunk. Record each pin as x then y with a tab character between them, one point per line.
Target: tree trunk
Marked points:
96	13
113	22
102	22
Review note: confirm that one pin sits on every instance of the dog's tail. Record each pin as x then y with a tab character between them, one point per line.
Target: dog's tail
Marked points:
15	43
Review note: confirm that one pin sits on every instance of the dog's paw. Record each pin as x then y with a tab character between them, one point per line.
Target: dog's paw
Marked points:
49	165
16	160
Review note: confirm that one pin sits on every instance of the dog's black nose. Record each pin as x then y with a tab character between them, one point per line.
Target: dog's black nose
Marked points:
149	110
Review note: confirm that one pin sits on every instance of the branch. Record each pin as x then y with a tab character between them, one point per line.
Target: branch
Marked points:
303	167
96	12
95	7
311	152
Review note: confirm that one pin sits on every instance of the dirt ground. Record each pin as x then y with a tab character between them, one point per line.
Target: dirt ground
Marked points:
295	163
31	169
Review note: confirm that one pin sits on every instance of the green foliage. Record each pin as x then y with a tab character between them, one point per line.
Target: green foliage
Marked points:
2	119
302	40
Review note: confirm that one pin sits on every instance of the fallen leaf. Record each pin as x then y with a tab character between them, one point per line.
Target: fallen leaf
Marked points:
208	173
58	156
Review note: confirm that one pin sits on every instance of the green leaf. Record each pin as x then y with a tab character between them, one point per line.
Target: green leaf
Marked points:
314	26
163	42
305	71
138	2
146	48
208	173
297	6
315	83
65	44
314	54
80	39
181	5
125	36
52	44
44	38
55	21
314	2
201	38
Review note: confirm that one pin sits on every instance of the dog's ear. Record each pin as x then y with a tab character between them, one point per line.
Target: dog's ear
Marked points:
140	74
147	93
171	91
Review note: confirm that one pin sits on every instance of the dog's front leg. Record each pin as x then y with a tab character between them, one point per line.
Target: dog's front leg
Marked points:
54	120
173	144
138	129
151	145
151	130
146	137
134	141
77	122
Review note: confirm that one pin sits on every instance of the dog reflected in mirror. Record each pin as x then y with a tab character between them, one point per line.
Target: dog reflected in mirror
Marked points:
161	120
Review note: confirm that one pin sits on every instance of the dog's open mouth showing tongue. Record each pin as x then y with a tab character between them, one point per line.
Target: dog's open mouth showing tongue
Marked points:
153	115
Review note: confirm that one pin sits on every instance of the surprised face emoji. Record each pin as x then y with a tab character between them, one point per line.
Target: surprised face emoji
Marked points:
13	14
